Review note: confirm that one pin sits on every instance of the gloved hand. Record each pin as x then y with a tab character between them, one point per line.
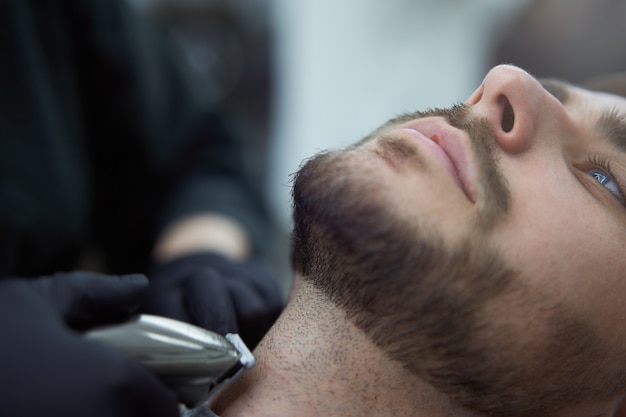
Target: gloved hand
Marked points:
48	369
217	293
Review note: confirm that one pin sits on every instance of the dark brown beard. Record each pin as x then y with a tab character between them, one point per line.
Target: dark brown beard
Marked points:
427	305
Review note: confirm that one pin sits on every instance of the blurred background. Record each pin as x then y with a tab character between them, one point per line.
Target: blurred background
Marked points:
302	76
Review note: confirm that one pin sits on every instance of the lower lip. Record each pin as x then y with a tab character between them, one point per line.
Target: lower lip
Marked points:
437	151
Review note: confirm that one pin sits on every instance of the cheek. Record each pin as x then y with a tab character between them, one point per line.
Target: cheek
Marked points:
552	226
565	245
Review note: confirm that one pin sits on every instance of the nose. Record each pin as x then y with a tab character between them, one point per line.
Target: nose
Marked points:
510	99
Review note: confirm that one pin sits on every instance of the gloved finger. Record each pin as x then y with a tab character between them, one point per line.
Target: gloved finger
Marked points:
176	271
147	396
86	298
209	303
255	293
246	298
136	391
260	291
153	400
264	281
167	301
256	310
254	272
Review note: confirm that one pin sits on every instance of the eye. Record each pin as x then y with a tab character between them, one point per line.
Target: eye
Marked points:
606	180
601	172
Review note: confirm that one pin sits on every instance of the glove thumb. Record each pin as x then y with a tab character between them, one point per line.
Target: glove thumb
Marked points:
86	299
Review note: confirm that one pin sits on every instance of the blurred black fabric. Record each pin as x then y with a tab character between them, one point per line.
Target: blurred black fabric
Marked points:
104	138
49	369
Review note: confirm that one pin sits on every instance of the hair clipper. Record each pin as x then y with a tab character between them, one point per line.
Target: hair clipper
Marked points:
193	362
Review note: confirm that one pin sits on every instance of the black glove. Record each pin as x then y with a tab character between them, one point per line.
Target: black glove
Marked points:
218	294
48	369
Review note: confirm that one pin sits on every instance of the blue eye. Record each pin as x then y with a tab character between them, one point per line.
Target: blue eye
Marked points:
607	181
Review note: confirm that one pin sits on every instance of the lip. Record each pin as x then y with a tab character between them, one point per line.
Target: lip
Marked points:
451	147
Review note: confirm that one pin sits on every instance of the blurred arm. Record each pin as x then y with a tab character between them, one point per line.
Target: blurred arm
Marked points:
202	232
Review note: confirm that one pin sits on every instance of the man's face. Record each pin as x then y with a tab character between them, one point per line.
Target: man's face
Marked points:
483	246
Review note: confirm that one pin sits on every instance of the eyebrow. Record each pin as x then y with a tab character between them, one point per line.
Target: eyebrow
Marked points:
611	123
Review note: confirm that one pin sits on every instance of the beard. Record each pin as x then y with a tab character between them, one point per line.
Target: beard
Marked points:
452	315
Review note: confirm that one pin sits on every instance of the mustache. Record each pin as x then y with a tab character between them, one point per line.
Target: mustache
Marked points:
483	145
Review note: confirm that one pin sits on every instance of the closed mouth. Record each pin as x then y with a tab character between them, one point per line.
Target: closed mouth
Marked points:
451	148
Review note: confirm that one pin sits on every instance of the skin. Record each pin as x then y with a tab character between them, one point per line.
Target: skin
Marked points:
545	160
545	339
558	209
202	232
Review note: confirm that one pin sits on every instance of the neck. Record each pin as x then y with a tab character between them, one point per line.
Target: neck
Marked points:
315	363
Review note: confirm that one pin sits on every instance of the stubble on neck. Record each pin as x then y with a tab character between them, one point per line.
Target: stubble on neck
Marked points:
314	362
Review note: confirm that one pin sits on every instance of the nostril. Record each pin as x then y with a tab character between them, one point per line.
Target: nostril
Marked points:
508	116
